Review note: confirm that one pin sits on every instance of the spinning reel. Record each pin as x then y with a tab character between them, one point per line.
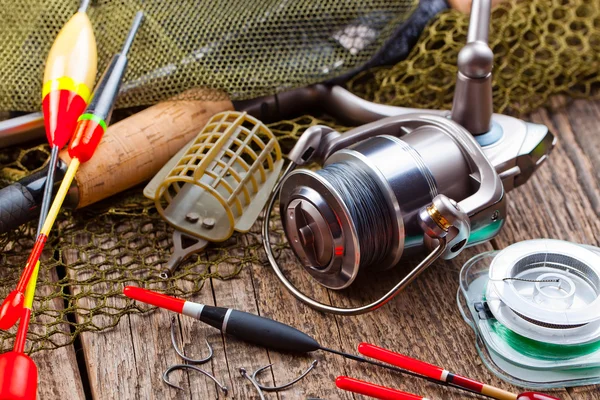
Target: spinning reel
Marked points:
410	180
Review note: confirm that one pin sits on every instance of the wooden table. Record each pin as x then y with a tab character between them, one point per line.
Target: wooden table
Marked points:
562	201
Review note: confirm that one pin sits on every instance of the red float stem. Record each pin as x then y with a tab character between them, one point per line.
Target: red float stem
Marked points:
155	299
19	346
34	257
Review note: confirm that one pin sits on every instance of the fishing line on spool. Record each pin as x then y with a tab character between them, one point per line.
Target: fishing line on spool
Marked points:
536	307
542	350
367	206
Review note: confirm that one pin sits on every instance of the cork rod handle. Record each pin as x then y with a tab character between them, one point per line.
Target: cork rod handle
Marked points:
134	149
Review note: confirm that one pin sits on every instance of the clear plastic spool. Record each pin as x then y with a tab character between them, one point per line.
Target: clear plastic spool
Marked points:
559	355
559	295
513	273
548	291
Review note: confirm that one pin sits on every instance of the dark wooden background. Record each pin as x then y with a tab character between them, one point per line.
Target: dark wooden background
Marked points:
561	201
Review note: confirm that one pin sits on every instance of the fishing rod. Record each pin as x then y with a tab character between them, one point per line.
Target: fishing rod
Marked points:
89	131
275	335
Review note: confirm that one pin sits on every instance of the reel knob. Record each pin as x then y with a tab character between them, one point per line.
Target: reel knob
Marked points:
313	237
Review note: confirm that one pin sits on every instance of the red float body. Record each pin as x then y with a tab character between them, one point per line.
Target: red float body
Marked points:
400	360
85	140
373	390
10	310
61	110
18	377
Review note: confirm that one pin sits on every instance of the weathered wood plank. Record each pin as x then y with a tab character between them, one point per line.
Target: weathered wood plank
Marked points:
111	364
127	362
237	293
275	302
581	121
154	354
58	373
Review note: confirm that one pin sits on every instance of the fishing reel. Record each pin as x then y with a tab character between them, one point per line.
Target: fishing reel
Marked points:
418	180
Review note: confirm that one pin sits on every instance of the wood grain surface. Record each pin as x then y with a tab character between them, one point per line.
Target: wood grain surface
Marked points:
58	372
561	201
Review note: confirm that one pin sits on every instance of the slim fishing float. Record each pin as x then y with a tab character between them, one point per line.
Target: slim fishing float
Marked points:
264	332
372	390
18	372
88	133
68	78
443	375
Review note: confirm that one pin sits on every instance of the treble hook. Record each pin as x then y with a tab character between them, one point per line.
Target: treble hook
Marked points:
184	366
284	386
180	353
260	388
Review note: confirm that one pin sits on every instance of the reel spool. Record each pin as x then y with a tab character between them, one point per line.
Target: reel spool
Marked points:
217	184
536	308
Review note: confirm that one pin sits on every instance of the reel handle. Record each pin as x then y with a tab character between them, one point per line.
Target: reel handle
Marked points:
436	253
473	105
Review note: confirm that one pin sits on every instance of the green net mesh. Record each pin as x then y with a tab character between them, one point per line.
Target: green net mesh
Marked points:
542	47
246	49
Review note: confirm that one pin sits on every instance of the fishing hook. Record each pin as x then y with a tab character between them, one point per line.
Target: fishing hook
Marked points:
284	386
256	385
260	388
184	366
180	353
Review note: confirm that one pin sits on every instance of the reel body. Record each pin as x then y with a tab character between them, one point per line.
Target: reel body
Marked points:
407	181
397	186
535	308
362	209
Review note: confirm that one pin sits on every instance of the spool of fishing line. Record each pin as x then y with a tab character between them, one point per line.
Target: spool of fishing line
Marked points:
535	306
367	206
